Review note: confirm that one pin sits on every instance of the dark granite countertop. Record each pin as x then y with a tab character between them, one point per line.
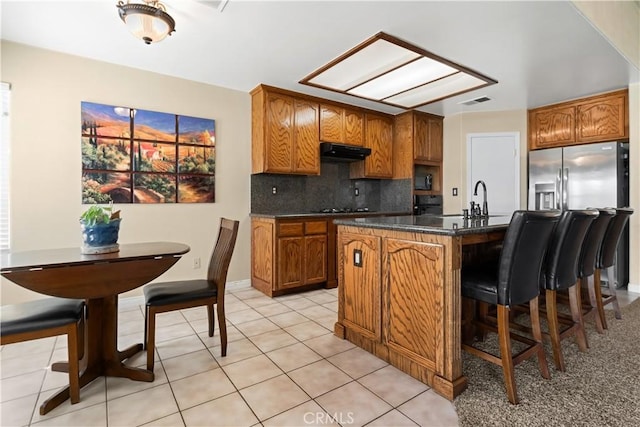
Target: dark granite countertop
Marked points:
452	225
327	214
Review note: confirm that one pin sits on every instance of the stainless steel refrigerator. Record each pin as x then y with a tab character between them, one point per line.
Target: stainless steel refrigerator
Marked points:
583	176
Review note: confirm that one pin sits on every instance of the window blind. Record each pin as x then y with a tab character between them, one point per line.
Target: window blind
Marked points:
5	89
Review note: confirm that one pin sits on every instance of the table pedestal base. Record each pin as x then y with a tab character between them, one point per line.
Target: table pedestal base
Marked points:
102	357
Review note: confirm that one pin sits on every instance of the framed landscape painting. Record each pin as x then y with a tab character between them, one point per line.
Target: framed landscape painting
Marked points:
141	156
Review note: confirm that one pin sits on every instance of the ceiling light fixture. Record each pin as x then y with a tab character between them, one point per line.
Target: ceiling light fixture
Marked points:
394	72
149	21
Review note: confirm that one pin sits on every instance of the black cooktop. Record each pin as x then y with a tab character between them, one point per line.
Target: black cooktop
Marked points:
342	210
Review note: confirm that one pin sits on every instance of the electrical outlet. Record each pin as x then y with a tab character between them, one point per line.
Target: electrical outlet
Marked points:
356	191
196	263
357	257
454	192
274	189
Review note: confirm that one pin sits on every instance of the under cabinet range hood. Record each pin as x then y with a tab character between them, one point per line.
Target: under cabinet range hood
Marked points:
330	151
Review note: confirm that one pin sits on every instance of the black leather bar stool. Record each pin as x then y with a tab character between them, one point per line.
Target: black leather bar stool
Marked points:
587	263
515	280
561	272
44	318
606	260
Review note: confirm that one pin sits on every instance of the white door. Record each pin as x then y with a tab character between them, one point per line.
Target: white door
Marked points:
495	159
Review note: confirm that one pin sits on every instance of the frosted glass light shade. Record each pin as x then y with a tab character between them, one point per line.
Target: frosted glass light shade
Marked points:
392	71
148	21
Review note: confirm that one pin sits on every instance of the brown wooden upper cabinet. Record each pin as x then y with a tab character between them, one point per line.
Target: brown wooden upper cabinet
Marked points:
427	137
341	125
378	131
597	118
285	133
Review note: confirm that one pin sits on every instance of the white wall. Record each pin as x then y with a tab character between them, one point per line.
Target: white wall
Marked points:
456	129
634	187
47	89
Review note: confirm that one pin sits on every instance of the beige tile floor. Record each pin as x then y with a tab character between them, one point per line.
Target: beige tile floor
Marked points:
284	367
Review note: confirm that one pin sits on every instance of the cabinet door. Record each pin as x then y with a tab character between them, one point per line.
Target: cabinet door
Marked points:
306	142
435	140
359	261
262	253
420	137
552	127
413	298
602	119
290	262
315	259
331	124
353	127
279	133
379	137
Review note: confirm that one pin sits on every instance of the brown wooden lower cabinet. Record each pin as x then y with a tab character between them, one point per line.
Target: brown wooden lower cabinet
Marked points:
288	255
399	299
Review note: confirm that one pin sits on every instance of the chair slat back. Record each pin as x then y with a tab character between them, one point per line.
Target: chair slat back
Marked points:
222	252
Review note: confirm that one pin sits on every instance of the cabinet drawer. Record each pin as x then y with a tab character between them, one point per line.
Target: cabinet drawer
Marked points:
315	227
290	229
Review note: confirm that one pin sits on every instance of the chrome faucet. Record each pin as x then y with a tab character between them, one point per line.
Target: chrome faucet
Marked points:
485	206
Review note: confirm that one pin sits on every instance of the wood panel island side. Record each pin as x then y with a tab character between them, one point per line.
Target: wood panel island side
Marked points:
399	289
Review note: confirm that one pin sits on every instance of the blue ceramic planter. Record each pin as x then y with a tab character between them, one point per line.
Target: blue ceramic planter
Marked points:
101	236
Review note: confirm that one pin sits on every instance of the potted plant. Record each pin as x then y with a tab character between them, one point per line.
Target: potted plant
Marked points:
100	226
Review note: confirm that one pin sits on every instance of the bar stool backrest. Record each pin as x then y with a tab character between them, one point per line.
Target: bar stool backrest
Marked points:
561	269
607	252
593	241
522	256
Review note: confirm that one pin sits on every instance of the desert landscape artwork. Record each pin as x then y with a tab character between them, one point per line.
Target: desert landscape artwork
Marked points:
141	156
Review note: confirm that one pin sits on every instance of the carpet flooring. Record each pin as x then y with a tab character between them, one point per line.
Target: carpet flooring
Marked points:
599	388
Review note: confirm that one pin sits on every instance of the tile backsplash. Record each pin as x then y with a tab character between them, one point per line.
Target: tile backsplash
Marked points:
331	189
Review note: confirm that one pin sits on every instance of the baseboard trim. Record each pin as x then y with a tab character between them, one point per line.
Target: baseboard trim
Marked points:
129	302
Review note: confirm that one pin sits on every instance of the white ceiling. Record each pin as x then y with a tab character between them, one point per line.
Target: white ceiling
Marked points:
540	52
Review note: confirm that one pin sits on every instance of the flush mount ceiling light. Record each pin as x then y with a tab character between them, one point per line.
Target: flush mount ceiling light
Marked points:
394	72
149	21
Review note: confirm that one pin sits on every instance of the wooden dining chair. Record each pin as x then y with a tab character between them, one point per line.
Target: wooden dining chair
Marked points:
44	318
169	296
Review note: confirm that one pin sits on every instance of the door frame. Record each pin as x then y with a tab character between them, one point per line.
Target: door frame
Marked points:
516	163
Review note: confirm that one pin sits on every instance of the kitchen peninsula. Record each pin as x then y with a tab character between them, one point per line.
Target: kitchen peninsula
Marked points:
399	295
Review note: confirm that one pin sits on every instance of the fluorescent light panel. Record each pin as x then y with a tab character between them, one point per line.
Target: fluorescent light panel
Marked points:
394	72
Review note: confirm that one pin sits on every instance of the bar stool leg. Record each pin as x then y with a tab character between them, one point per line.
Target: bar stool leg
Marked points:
505	353
576	314
554	329
597	287
593	301
613	298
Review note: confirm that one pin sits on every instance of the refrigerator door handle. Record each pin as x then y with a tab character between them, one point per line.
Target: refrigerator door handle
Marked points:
558	188
565	189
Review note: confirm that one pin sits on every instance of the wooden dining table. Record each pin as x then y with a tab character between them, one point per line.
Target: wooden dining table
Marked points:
98	279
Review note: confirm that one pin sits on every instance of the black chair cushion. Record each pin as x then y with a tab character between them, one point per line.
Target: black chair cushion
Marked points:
481	285
166	293
39	315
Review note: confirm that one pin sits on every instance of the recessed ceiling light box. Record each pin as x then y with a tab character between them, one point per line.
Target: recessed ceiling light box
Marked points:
389	70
